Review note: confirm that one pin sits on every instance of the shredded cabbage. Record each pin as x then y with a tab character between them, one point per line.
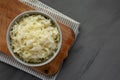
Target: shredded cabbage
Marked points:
34	38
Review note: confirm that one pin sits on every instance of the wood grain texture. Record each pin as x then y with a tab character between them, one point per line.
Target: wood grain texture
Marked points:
9	9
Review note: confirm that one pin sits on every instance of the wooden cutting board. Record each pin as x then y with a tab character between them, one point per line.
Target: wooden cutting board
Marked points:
9	9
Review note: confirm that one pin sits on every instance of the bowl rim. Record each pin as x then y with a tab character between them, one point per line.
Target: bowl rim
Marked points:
8	38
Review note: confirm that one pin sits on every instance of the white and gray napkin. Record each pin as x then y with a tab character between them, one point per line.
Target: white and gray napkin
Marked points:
36	4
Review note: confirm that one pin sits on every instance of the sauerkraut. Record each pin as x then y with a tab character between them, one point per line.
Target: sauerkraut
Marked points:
34	38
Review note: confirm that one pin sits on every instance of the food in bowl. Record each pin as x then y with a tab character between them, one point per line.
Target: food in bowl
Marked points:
34	38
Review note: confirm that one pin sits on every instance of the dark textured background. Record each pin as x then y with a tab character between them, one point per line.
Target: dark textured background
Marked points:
96	53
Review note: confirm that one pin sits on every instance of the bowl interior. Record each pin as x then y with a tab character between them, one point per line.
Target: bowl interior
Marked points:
23	15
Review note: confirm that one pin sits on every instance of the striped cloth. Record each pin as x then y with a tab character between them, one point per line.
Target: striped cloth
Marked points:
36	4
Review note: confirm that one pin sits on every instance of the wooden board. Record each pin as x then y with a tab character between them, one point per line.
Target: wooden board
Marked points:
9	9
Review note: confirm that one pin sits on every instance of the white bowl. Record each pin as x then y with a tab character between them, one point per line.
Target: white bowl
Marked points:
8	38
